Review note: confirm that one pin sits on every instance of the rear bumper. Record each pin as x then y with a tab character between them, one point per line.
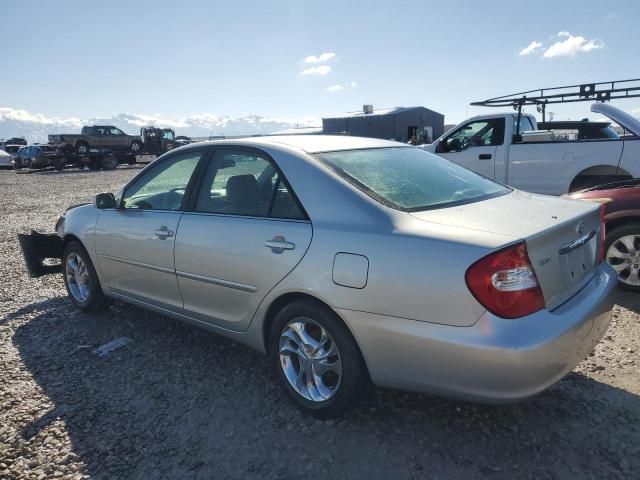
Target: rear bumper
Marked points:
36	248
495	360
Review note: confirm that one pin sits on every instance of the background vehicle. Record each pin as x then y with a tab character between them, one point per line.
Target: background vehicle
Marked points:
183	140
12	148
331	254
6	160
38	156
622	215
97	136
157	140
510	148
14	141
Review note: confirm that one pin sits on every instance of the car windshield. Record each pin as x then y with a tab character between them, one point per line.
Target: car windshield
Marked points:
410	179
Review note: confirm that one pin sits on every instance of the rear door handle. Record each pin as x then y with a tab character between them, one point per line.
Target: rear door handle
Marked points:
163	232
279	244
484	156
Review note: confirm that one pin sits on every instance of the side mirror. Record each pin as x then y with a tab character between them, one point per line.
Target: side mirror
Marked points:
455	145
104	200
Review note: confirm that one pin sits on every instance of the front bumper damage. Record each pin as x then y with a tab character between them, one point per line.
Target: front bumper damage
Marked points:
38	249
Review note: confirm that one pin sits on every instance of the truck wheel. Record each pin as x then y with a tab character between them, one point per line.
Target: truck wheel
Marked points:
82	148
28	164
136	147
109	162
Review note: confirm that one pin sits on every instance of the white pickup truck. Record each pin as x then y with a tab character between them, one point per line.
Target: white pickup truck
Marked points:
539	160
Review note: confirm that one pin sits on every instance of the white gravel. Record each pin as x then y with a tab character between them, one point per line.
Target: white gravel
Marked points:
177	402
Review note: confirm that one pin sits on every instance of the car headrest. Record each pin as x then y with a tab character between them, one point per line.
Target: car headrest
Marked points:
242	189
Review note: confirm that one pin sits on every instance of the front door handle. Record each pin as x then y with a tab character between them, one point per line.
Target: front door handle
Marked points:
279	244
163	232
484	156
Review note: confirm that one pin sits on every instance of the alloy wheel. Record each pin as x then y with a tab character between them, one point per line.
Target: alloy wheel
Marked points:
310	359
624	256
78	278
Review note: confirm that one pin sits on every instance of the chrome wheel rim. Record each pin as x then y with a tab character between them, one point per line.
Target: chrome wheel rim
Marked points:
310	360
135	147
78	279
624	256
82	149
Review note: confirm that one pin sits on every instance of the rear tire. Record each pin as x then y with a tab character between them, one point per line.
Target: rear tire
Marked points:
318	362
81	279
82	148
622	252
109	162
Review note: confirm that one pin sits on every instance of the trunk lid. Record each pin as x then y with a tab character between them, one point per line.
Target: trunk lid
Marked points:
563	236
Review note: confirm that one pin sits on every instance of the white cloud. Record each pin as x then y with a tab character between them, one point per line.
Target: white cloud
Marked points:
571	46
335	88
532	47
322	58
17	115
353	85
321	70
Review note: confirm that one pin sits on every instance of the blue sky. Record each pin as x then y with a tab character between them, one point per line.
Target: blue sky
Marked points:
82	59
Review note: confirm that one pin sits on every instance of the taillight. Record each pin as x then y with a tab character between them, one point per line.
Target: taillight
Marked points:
505	284
603	235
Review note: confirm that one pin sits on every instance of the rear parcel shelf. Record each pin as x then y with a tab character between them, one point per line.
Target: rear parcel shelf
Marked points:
36	247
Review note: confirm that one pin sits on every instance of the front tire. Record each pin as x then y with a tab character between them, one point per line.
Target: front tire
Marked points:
81	279
622	247
318	362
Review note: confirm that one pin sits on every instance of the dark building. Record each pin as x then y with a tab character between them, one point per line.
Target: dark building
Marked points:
399	123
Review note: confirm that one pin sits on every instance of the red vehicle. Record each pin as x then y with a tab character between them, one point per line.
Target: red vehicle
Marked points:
622	217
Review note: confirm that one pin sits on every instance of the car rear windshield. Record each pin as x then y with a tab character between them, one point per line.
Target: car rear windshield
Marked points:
410	179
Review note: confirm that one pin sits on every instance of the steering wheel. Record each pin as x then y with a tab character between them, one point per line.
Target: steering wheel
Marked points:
465	143
173	199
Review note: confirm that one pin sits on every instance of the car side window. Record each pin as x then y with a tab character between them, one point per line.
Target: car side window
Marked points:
163	187
479	133
237	182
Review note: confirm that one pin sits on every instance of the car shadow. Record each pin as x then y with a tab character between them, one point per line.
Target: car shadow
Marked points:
628	299
180	402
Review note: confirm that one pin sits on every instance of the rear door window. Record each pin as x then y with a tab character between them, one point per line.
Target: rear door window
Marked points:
238	182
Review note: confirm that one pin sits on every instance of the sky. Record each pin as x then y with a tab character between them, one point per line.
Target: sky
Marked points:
300	60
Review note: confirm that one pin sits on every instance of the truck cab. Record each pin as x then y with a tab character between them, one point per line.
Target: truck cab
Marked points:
514	151
481	143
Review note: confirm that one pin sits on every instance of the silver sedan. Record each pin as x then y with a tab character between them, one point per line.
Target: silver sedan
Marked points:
348	261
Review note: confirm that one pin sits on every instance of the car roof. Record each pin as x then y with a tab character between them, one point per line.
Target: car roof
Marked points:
309	143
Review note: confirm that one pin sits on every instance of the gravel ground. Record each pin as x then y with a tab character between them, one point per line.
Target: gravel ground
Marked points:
178	402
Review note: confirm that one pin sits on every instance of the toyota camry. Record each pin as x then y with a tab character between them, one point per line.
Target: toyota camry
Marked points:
348	261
